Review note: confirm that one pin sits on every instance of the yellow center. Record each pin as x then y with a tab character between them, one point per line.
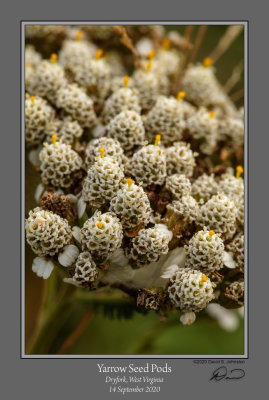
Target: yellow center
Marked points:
204	278
149	65
211	233
79	35
212	114
126	81
27	64
207	62
102	152
166	43
181	95
98	54
54	138
157	140
239	171
129	181
151	55
53	58
99	224
32	99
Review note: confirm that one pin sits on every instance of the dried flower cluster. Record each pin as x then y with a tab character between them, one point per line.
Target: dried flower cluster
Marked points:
141	180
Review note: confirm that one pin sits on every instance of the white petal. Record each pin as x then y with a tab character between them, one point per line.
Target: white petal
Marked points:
227	319
71	281
42	267
59	191
69	255
241	312
39	191
33	157
147	276
118	257
187	318
176	256
119	274
76	233
98	131
165	230
144	46
228	260
48	270
72	198
169	272
81	207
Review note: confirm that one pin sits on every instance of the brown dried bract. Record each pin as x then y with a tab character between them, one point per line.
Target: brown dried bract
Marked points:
150	300
57	203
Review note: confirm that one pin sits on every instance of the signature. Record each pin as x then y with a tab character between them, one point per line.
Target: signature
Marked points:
222	373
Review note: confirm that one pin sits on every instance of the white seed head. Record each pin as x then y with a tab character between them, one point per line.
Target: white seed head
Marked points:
101	235
190	290
47	233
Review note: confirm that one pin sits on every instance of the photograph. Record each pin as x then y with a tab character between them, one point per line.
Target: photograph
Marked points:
134	148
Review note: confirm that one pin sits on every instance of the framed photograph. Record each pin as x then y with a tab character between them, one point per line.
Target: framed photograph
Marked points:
134	197
134	222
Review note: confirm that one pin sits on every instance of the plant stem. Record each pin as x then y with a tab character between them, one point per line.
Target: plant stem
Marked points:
149	337
53	312
77	332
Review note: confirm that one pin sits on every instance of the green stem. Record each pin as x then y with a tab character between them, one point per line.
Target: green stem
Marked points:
54	310
148	339
50	328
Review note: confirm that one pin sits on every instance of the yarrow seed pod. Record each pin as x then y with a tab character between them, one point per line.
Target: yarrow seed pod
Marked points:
180	159
179	185
58	163
68	130
112	149
166	118
149	245
148	166
190	290
48	79
186	208
46	232
231	186
85	273
75	102
101	235
95	76
74	54
37	114
204	187
121	100
132	206
219	213
147	85
102	181
127	128
205	252
203	127
236	247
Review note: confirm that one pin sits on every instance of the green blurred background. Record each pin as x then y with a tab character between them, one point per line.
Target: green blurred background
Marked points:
140	334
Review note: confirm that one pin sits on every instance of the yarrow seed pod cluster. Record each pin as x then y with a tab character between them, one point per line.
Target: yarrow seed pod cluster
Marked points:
141	175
